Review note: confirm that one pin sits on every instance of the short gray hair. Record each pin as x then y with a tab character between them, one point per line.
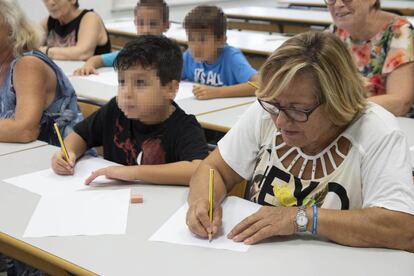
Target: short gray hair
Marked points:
23	35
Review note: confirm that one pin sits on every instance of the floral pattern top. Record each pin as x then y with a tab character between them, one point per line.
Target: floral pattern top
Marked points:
379	56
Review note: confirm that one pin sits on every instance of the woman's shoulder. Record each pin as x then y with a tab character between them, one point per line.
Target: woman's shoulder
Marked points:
30	63
373	125
397	27
400	22
89	16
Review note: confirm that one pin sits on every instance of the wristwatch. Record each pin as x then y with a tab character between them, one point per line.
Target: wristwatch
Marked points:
301	219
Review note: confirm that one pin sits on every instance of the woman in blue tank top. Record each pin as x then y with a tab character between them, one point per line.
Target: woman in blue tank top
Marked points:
34	92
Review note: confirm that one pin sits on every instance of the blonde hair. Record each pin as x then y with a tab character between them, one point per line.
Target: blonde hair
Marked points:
326	60
23	35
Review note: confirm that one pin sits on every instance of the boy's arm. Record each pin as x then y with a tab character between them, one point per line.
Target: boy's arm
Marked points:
177	173
76	147
204	92
90	66
75	144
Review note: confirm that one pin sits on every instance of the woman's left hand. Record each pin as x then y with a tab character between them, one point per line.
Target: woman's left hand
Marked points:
265	223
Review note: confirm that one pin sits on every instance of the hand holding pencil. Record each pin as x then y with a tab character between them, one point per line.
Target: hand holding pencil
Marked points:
63	162
204	214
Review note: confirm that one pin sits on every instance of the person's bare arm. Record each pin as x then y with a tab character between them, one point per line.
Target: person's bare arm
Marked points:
76	147
90	29
204	92
30	79
224	179
171	173
90	66
399	91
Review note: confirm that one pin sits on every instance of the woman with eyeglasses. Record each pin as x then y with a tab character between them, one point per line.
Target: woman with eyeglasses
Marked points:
317	155
382	45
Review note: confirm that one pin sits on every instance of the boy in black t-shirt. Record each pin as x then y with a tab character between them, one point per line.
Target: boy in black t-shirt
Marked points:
143	127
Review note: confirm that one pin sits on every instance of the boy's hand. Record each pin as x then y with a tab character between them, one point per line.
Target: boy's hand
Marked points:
204	92
61	166
124	173
85	70
198	220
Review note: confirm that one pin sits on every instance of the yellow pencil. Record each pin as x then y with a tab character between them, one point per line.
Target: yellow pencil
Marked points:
62	145
210	199
253	84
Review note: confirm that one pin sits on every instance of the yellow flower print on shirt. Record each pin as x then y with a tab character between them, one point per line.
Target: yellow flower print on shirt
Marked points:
284	195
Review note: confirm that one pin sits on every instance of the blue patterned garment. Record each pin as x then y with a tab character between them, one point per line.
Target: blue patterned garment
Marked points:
64	109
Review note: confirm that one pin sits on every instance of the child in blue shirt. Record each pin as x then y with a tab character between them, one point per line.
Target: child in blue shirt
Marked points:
222	70
151	17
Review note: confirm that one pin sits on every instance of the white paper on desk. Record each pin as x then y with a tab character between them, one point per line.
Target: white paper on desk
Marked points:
46	182
235	210
107	77
185	90
80	213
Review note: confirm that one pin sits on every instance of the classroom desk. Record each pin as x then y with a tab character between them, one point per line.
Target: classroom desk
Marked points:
401	7
68	66
9	148
133	254
280	15
102	93
222	120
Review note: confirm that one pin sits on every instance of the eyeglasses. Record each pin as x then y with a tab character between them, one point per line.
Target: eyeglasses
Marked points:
297	115
332	2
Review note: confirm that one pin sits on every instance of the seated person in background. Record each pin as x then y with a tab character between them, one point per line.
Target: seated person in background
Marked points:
151	17
72	33
142	128
221	70
34	92
381	44
308	142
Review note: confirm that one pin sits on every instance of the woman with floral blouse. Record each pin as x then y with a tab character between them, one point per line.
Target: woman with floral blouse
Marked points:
382	45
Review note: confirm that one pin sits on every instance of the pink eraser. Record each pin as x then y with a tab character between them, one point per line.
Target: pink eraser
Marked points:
137	198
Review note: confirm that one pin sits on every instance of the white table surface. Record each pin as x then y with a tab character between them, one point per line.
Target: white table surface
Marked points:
222	120
316	17
8	148
68	66
133	254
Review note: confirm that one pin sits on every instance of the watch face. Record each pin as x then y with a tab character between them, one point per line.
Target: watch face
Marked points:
302	221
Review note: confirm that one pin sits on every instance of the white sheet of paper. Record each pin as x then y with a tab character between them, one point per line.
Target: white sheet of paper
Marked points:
176	231
80	213
46	182
107	77
185	90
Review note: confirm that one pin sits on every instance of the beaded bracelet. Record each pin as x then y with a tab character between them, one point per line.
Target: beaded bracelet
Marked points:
315	220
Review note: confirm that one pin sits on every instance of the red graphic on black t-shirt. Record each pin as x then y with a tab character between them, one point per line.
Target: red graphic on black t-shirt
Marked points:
127	146
153	152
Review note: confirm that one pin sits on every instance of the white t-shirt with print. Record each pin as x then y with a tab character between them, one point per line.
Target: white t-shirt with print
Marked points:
375	172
